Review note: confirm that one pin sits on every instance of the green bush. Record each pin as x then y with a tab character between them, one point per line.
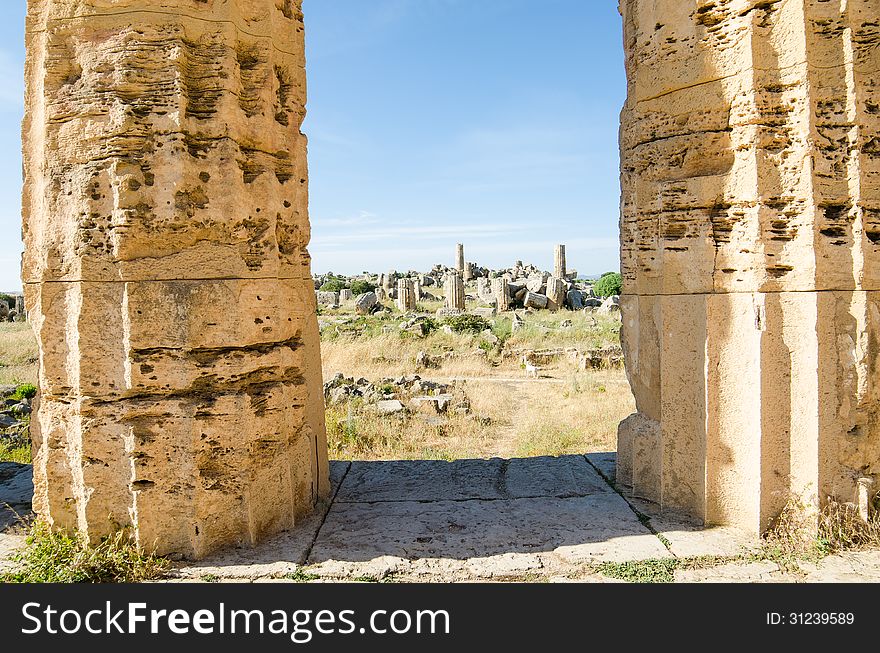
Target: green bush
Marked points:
361	288
334	285
610	284
24	391
9	299
466	323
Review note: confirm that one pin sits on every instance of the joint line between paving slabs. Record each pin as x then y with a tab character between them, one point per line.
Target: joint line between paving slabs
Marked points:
308	553
469	499
644	520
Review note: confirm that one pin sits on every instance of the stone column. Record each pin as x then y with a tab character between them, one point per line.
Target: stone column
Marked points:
559	262
417	288
390	280
501	290
166	270
750	245
468	271
455	296
483	287
459	258
406	299
556	289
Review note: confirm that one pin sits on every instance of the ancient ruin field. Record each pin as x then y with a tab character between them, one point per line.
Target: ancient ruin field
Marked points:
498	409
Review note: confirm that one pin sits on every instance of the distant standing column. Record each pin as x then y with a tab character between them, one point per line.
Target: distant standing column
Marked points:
501	290
559	262
417	288
459	260
406	300
455	291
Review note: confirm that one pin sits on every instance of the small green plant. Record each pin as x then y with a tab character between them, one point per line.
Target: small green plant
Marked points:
466	323
361	287
210	578
301	576
24	391
659	570
610	284
487	346
54	557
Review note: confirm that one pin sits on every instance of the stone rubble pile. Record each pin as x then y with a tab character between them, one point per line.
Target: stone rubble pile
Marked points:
14	414
404	394
519	286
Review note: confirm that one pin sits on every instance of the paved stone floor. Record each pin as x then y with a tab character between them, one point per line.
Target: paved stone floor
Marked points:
538	519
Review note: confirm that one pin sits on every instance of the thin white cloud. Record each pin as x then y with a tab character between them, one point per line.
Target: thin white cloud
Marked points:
363	218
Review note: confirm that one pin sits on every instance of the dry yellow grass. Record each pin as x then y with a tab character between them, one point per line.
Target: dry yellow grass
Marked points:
355	433
579	416
18	354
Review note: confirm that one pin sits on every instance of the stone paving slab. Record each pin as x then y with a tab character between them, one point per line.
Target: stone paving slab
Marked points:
689	541
850	567
463	480
594	528
605	462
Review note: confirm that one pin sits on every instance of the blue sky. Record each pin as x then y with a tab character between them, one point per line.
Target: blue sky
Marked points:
488	122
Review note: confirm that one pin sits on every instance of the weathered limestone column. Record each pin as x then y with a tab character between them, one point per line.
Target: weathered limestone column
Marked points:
166	270
388	282
501	290
559	262
459	258
417	288
455	297
468	271
556	290
406	298
751	254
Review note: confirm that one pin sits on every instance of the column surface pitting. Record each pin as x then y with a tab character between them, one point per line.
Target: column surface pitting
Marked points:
750	245
166	270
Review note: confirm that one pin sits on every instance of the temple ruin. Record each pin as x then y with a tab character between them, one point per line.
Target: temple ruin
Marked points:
168	280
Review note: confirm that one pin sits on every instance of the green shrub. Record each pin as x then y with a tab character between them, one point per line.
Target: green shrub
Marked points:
52	557
9	299
334	285
361	288
466	323
430	325
24	391
503	329
610	284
